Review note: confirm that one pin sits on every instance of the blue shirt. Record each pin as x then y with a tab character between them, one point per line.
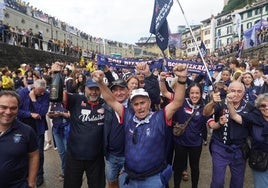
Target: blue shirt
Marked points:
192	135
258	127
40	107
145	146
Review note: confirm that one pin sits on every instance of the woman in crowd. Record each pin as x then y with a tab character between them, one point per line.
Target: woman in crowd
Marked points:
257	122
80	83
132	83
224	82
28	78
189	144
60	131
70	82
251	91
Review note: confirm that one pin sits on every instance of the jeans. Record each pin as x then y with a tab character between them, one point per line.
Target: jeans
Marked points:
41	140
152	181
61	143
113	166
74	171
260	179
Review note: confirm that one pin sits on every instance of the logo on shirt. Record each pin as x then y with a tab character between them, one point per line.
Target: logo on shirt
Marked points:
17	138
87	116
148	132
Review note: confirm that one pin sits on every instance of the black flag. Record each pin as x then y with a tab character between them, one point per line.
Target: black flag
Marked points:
159	25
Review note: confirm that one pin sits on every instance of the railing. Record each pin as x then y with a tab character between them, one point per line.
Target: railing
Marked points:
28	41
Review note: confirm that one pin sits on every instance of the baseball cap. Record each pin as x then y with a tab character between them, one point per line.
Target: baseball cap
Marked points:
138	92
121	83
91	83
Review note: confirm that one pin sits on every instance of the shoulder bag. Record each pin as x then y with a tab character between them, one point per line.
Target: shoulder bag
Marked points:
178	129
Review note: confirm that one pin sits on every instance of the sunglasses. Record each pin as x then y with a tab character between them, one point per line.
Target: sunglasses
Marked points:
263	105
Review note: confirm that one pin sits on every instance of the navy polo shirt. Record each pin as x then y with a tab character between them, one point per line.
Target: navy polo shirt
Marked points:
15	145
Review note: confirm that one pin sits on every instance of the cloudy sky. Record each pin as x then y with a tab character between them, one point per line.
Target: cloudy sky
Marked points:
124	20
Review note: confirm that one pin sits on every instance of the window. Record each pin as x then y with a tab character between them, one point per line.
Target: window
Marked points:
218	32
229	40
229	29
249	25
249	14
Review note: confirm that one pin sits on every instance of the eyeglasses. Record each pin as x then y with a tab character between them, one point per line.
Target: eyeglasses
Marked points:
263	105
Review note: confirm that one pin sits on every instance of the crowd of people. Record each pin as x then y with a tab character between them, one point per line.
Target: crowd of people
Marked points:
24	37
117	125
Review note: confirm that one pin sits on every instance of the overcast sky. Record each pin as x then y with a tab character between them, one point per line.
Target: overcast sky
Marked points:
124	20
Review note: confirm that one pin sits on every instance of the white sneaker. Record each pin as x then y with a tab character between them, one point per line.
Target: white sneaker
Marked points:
47	147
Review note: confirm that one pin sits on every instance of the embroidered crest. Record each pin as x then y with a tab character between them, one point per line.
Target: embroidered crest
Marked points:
148	132
17	138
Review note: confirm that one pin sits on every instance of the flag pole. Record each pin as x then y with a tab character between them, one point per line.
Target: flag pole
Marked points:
195	42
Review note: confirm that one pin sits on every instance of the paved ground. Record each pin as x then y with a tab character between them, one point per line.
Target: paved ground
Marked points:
52	170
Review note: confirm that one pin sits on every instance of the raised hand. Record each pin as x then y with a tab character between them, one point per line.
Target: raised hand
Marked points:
98	76
180	70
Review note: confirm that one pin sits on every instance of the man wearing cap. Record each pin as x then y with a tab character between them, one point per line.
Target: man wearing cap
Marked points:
145	133
114	135
85	143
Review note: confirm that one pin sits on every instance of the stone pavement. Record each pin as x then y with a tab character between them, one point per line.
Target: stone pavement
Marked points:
52	170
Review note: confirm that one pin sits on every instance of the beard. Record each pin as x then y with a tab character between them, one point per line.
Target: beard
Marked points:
93	98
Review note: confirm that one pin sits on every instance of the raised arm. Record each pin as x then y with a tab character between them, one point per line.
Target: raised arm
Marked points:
163	87
107	94
180	71
209	108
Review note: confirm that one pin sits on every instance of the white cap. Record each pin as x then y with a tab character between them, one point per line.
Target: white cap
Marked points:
138	92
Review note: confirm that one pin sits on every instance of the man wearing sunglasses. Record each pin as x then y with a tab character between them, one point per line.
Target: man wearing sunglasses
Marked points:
145	133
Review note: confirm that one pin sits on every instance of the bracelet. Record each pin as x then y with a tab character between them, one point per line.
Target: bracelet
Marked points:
181	82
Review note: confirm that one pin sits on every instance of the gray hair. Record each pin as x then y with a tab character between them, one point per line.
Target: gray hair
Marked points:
39	83
260	98
238	83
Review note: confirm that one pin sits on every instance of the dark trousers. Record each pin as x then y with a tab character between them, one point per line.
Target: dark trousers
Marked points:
41	140
181	155
75	169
